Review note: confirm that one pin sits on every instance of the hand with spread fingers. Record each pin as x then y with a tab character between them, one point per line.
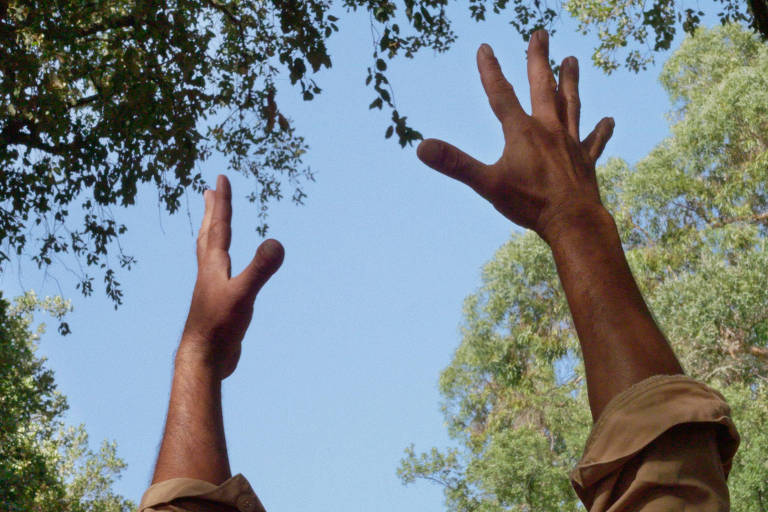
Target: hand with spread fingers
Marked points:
545	181
222	306
546	173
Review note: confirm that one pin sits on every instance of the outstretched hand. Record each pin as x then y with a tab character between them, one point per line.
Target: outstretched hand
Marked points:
546	173
222	306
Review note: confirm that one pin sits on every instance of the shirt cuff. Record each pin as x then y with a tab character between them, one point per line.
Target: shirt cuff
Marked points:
639	415
235	492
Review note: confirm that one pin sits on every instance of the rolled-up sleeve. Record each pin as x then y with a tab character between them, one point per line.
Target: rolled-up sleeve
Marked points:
191	495
664	444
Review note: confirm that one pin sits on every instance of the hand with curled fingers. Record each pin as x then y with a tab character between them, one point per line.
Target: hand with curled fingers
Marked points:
546	174
222	305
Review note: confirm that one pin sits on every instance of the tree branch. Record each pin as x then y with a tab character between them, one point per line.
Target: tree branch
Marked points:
234	19
436	480
12	134
223	8
34	142
759	10
760	352
758	217
122	22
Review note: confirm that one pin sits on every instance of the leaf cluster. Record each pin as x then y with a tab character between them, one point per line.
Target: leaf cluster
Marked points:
98	98
45	465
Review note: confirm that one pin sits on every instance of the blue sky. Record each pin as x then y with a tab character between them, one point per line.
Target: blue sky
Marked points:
340	365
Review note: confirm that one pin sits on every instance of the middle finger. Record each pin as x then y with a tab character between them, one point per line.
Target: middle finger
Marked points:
540	78
569	105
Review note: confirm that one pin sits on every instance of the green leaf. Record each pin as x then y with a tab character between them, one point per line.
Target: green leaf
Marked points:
426	15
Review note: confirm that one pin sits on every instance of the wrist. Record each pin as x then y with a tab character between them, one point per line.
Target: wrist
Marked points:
218	356
192	357
571	223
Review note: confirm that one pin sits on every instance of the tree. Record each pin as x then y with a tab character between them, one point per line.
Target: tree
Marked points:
45	465
99	97
693	216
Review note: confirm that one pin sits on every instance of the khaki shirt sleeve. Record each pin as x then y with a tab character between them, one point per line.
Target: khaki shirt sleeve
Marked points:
664	444
190	495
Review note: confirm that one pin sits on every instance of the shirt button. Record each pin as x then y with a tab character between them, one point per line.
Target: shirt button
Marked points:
246	503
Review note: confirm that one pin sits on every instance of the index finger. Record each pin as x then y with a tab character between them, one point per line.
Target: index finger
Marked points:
540	78
220	231
501	94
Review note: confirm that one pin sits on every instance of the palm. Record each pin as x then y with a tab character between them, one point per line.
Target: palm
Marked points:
222	305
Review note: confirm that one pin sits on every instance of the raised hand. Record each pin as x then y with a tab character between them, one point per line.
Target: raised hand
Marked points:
222	306
546	173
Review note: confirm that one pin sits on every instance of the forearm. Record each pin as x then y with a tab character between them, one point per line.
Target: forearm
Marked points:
193	444
620	340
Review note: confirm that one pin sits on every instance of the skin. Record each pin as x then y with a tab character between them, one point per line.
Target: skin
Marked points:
193	444
544	181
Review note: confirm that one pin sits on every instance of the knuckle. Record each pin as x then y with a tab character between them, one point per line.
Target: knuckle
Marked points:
217	228
559	135
500	83
527	132
545	78
452	161
500	86
572	97
502	109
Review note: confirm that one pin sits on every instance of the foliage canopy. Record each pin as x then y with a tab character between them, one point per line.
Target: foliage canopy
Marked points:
98	97
44	464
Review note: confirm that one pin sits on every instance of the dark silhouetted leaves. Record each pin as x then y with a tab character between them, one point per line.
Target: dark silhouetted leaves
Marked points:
100	98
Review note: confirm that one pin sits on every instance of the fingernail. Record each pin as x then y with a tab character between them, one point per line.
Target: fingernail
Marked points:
429	152
272	251
487	50
269	248
543	36
571	62
613	123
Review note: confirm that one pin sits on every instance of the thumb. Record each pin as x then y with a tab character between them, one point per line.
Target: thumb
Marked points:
598	138
453	162
269	256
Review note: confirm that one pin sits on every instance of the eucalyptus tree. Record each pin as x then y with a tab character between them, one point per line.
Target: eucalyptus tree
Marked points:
45	465
693	218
